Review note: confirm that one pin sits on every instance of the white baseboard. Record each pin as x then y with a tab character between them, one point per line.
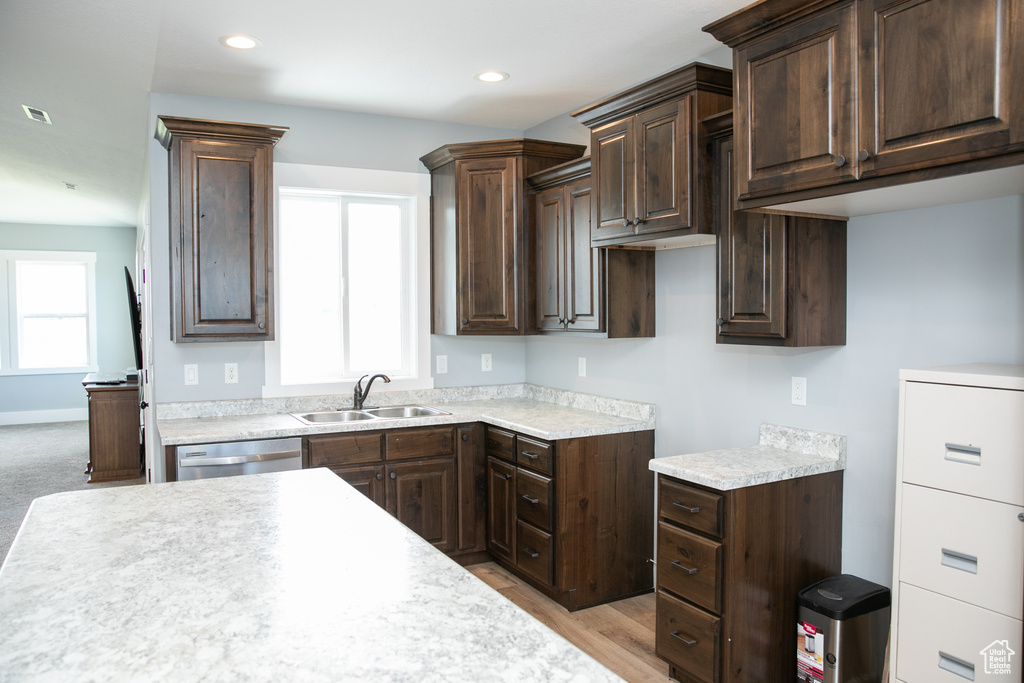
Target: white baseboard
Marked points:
27	417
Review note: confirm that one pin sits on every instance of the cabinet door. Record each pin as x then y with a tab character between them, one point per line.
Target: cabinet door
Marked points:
936	86
489	241
472	472
369	481
663	167
796	106
751	266
584	278
501	509
423	496
549	221
613	175
222	260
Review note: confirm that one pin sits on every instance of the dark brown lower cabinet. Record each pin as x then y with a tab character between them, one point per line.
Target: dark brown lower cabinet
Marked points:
422	496
730	565
572	516
114	443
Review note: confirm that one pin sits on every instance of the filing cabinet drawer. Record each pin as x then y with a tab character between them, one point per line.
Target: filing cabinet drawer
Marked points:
690	566
501	444
940	640
534	454
534	499
536	552
687	637
964	547
690	506
965	439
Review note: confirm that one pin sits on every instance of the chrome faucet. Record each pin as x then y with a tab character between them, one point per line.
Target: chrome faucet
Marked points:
359	394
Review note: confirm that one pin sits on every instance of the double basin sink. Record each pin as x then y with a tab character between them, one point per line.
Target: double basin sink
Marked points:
386	413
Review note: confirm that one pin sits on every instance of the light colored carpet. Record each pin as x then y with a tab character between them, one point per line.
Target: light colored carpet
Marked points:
37	460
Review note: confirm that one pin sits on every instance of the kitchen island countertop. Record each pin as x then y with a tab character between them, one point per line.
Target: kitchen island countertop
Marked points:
269	577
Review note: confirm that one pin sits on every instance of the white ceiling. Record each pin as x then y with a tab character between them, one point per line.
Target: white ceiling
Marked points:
91	65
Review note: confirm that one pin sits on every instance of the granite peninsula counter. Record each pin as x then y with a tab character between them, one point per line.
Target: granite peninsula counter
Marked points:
254	578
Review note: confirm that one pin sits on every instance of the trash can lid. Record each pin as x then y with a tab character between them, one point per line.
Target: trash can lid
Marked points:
844	596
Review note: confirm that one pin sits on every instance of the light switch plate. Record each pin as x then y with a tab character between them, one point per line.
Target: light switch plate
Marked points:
442	365
191	374
799	391
583	366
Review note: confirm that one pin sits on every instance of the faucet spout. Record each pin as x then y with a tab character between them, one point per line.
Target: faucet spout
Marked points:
359	394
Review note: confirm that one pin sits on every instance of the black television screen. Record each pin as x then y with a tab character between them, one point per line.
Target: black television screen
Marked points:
134	309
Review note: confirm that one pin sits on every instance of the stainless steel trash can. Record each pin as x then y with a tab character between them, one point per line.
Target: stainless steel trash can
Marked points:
842	628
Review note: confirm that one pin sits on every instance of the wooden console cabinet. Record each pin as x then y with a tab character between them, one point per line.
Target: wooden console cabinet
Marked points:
114	444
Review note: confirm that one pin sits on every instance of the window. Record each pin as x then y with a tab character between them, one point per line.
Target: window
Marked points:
351	283
48	301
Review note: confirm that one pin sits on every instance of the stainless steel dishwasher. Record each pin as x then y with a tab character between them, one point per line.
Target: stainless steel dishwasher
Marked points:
204	461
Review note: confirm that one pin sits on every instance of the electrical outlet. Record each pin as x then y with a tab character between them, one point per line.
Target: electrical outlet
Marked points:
231	373
191	375
485	362
583	366
442	365
798	395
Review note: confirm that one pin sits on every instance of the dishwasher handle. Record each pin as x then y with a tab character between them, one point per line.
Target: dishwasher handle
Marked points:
204	460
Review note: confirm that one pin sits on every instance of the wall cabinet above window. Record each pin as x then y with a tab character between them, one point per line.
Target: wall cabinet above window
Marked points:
221	229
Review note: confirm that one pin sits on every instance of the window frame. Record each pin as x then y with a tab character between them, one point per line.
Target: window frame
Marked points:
10	318
303	178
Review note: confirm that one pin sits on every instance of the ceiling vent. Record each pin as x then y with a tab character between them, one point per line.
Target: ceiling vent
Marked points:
36	114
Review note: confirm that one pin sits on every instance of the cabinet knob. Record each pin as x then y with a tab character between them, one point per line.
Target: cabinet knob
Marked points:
379	476
392	475
143	405
1020	516
840	161
863	155
465	321
465	437
721	322
626	223
637	221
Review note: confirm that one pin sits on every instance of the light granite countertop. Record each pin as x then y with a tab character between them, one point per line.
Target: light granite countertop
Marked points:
781	453
535	411
259	578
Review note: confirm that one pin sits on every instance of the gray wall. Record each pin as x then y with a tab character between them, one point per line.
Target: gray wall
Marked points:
316	136
115	249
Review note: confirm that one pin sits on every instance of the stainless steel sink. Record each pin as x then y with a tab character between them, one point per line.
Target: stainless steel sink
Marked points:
334	416
395	412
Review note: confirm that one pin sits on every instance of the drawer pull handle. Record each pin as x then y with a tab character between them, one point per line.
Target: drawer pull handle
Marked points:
531	456
962	561
531	552
679	505
688	570
533	501
686	641
968	455
955	665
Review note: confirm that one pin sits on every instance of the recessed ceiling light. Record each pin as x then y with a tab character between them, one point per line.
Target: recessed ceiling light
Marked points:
492	76
240	42
36	114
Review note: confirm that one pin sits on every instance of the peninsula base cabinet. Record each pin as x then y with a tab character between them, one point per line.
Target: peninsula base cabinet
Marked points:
730	565
958	568
571	517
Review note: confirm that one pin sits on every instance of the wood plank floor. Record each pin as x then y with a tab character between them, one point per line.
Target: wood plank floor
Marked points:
620	634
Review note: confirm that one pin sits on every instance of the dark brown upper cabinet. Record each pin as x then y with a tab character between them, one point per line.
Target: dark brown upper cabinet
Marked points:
580	288
781	278
221	228
846	95
651	176
481	281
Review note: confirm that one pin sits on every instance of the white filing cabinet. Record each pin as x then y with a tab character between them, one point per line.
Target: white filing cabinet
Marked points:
958	568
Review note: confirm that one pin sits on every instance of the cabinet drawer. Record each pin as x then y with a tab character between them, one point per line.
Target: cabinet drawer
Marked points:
687	637
692	507
536	552
534	454
939	636
501	444
419	443
967	548
342	449
534	499
690	566
965	439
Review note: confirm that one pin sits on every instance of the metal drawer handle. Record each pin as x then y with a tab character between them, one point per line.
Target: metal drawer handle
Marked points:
534	501
962	561
679	505
204	459
955	665
532	456
531	552
689	642
688	570
968	455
